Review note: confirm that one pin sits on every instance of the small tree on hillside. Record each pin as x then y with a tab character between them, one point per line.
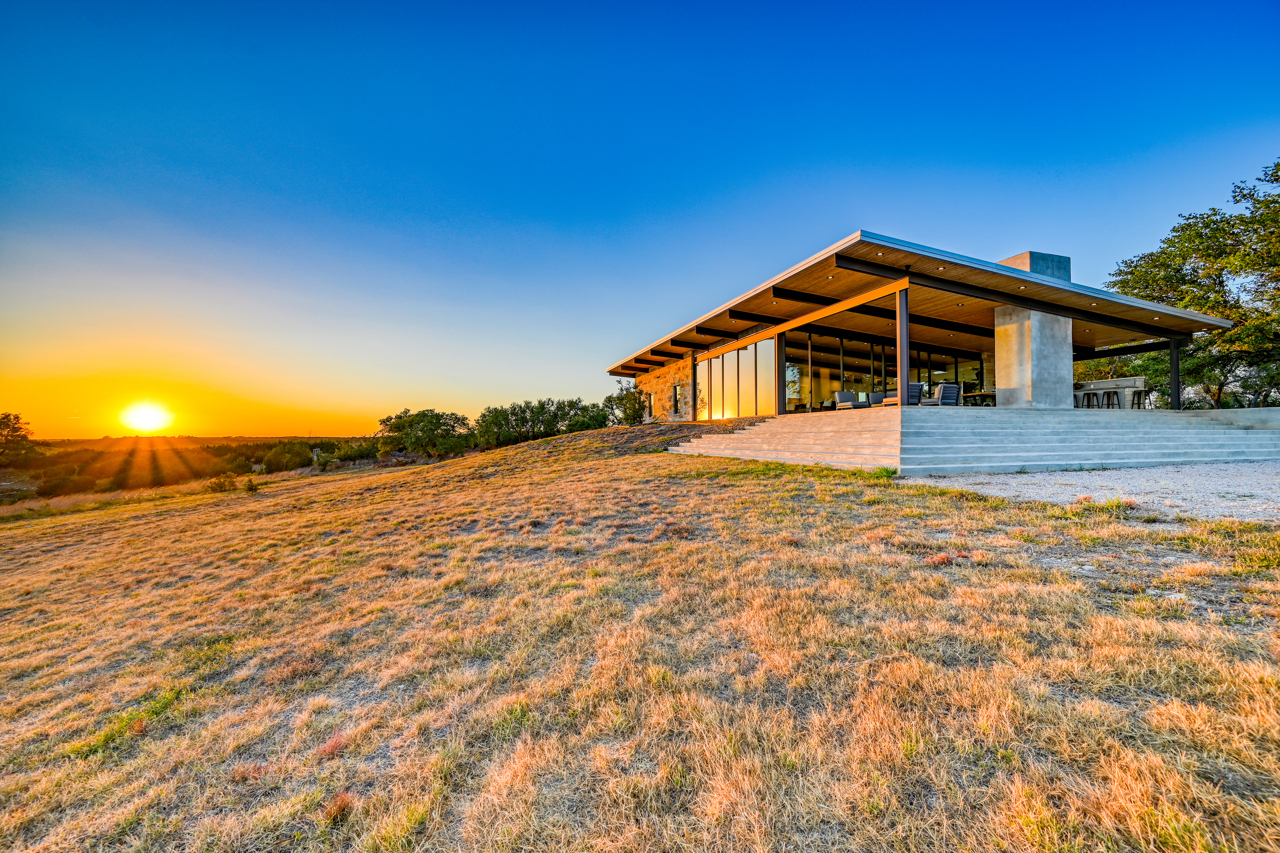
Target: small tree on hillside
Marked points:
15	439
629	403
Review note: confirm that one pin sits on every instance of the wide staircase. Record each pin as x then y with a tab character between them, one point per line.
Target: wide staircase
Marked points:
953	440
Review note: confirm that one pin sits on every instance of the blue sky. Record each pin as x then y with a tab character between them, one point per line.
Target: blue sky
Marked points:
333	212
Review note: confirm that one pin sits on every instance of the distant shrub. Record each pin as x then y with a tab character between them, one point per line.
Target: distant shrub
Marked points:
250	486
222	483
350	451
287	456
67	485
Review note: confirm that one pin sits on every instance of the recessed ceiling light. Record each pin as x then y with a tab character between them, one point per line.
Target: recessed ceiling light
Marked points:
1204	330
941	268
1093	303
830	276
1155	318
878	254
960	304
950	336
1022	287
1088	330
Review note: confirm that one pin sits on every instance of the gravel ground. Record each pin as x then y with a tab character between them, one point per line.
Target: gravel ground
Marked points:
1243	490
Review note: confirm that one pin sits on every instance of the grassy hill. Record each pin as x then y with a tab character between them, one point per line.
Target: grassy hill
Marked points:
579	644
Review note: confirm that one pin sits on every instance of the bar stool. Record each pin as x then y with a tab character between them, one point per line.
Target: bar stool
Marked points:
1141	398
1111	399
1089	400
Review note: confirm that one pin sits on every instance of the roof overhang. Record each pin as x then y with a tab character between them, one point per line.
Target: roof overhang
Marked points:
953	297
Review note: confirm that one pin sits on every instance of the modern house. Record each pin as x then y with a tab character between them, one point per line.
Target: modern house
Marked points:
865	312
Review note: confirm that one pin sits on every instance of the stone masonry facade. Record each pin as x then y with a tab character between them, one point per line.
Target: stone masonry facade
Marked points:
667	385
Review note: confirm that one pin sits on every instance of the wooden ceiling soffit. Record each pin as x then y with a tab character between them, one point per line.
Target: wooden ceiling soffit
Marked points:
812	316
845	262
1088	353
715	333
882	313
880	340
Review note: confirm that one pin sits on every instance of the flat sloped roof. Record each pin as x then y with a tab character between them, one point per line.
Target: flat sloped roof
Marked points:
865	259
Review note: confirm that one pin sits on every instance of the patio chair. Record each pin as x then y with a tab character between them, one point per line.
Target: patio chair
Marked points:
849	400
943	395
875	398
914	390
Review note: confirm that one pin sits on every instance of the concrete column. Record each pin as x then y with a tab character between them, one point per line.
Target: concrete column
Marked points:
1033	359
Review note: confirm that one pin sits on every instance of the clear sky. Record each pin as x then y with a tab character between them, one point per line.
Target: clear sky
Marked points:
283	218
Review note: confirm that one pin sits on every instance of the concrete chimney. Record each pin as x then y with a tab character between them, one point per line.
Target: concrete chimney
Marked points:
1054	266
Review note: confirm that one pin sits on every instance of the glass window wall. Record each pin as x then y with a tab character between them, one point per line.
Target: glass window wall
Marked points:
766	378
730	360
738	384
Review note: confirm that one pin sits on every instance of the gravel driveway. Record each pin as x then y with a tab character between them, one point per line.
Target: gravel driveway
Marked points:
1244	490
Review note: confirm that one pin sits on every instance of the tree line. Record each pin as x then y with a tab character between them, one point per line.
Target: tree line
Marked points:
151	463
1224	263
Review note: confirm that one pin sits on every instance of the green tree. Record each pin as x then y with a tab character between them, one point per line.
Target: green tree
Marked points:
628	404
15	439
1221	263
428	431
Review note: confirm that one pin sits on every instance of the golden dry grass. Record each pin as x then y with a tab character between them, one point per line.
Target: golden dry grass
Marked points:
572	645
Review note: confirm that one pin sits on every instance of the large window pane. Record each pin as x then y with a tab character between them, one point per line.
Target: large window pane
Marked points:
731	384
766	378
797	376
747	381
717	388
700	405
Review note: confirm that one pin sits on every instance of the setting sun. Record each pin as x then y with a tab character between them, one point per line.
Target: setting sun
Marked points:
146	417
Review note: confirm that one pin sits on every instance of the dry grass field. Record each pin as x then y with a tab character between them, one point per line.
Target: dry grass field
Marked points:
579	645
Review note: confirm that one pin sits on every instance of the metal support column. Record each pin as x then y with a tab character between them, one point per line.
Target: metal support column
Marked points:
810	343
904	347
1175	377
693	386
841	364
780	373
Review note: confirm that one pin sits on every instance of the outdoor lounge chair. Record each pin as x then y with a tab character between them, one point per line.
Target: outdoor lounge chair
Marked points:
943	395
849	400
914	390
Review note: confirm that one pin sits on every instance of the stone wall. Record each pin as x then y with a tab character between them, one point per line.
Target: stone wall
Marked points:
660	382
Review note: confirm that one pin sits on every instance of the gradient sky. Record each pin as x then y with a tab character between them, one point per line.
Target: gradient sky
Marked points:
296	218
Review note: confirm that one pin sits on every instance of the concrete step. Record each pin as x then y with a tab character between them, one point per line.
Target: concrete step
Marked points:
911	469
1014	439
1020	436
925	441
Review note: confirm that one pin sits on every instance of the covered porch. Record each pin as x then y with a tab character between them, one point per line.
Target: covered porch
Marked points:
870	310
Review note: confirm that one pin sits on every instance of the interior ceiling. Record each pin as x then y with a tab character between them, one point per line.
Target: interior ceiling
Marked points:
823	278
